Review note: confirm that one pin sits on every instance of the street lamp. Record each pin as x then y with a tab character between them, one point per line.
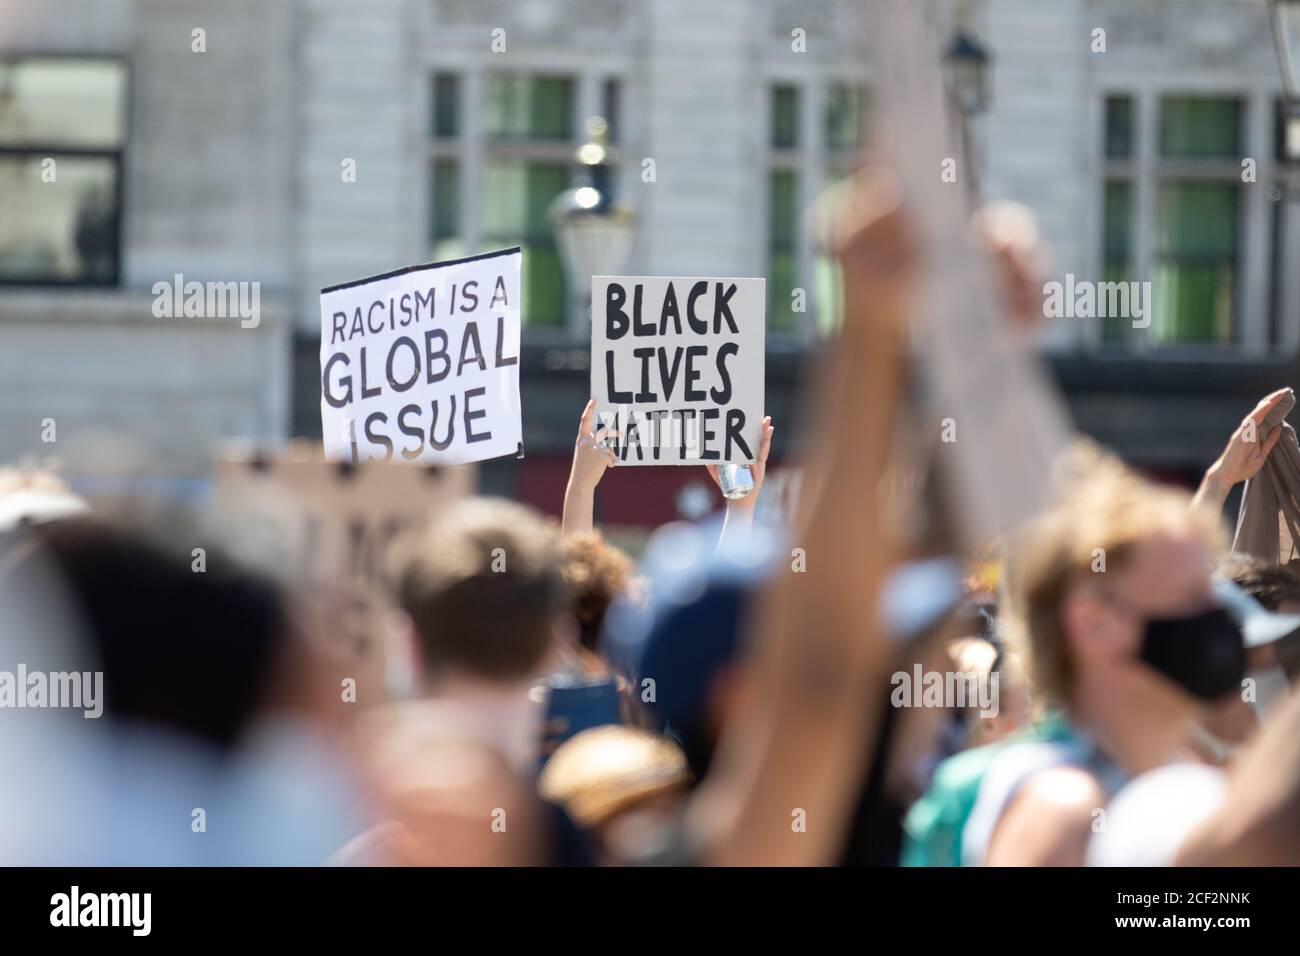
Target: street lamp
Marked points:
593	230
966	63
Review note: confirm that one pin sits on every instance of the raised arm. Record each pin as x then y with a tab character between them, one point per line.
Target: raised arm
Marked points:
798	751
1243	456
739	518
591	459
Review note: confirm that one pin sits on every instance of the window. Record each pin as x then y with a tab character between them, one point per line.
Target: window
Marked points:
846	112
1196	255
845	105
793	264
445	229
1194	248
528	135
529	107
783	269
1117	257
1119	127
62	131
515	196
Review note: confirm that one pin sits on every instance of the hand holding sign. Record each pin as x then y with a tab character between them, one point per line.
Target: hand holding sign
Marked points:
592	456
758	469
677	366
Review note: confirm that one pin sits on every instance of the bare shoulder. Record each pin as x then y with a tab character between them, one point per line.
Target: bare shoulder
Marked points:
1049	820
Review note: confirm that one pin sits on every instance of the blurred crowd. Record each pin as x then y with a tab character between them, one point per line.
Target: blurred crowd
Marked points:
1108	684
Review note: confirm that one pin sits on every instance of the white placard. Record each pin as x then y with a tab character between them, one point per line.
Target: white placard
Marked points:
422	364
677	367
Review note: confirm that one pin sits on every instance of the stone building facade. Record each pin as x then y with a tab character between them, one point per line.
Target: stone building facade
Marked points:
315	141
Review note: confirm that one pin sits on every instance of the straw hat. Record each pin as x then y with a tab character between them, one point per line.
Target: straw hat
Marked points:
604	770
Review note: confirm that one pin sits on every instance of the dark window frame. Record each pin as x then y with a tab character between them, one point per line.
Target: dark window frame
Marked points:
54	151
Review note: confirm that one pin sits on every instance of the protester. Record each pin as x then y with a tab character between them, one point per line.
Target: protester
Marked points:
913	737
212	704
1110	597
1234	721
761	664
455	767
681	648
596	573
801	735
1277	588
1244	455
591	459
992	663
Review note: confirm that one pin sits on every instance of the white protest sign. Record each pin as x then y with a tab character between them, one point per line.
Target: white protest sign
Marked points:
422	364
677	367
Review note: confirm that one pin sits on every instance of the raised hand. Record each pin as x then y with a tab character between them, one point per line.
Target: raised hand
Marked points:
591	459
1244	455
758	469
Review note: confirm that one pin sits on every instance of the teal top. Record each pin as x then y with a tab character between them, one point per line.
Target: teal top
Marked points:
934	826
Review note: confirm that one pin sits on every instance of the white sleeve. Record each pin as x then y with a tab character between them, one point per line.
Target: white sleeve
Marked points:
1146	822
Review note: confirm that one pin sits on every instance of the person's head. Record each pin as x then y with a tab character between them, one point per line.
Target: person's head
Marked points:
994	664
595	573
681	645
198	654
1275	586
1110	596
484	591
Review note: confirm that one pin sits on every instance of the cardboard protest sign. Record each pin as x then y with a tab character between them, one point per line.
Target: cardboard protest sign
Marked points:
1010	423
327	525
677	367
422	364
332	532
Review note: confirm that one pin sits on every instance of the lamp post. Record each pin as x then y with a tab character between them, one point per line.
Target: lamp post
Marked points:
1286	36
965	64
593	230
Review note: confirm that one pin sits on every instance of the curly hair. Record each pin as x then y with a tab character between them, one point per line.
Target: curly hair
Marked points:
596	572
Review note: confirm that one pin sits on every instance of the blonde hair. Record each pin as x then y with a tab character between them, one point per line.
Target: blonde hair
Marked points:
1103	511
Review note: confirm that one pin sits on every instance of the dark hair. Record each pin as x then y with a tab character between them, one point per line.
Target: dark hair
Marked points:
1269	584
483	589
191	650
595	573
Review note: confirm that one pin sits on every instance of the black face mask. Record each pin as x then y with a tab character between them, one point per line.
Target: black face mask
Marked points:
1203	654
